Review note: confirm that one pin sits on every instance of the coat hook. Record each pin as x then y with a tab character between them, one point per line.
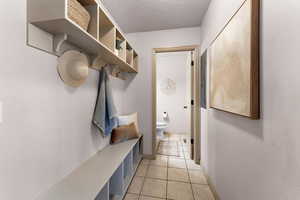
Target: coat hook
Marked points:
98	63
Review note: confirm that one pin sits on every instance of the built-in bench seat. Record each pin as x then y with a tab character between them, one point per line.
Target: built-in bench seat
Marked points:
105	176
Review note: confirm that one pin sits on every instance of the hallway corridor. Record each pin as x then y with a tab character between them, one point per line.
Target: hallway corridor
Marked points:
171	176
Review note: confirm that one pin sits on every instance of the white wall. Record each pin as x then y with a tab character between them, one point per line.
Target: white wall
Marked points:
46	130
259	159
139	92
173	66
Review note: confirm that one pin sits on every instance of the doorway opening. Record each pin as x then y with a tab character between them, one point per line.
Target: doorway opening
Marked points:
176	102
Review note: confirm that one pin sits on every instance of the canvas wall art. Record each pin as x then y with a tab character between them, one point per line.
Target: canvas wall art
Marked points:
234	62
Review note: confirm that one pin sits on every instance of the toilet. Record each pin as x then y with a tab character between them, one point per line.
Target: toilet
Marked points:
162	125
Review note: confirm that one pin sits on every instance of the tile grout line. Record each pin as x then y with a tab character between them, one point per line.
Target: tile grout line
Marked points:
156	179
167	177
188	172
179	143
152	197
140	193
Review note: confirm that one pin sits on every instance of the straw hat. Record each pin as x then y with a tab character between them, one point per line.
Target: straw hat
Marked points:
73	68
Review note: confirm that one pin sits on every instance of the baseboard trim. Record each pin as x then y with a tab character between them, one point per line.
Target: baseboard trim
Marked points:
211	186
149	156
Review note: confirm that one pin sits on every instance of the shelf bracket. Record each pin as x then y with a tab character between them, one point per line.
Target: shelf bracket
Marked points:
114	70
97	63
58	42
61	45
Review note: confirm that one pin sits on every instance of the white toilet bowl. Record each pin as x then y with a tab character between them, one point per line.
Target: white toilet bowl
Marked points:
160	129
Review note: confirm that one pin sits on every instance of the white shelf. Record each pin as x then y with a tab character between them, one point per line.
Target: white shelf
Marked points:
95	177
82	39
51	17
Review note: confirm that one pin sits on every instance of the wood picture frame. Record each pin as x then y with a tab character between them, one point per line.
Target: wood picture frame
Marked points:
203	82
234	62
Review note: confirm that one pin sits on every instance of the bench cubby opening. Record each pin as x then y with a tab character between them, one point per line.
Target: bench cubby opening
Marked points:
116	184
136	155
128	170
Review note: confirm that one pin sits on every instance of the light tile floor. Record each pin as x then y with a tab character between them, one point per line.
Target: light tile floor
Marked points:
172	176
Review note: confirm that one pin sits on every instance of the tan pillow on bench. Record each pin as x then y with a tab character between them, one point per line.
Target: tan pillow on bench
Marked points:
123	133
127	119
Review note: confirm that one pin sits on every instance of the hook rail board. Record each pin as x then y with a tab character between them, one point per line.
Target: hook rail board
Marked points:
50	28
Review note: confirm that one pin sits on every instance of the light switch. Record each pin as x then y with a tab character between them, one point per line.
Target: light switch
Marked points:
1	112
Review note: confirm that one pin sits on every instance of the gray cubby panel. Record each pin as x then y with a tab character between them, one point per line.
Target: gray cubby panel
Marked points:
104	193
136	152
116	184
128	165
128	170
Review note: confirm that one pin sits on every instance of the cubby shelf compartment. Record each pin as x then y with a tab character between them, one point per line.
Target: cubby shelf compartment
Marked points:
129	54
105	176
135	61
136	155
99	39
120	49
107	31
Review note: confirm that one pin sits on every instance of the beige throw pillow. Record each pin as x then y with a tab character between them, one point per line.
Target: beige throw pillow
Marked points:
123	133
127	119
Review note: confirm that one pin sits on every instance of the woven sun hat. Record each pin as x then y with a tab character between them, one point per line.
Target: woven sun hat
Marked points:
73	68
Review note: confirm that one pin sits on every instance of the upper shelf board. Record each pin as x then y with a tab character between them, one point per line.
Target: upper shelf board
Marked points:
87	2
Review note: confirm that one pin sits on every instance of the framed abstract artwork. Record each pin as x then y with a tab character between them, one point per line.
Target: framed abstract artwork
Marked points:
234	64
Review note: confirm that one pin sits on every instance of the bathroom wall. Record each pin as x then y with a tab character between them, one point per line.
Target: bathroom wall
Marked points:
46	130
139	92
174	67
259	160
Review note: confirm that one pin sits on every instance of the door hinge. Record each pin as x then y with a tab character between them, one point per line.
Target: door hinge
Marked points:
192	102
192	141
192	63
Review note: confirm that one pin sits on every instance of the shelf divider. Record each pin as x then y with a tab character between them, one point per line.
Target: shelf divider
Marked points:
93	27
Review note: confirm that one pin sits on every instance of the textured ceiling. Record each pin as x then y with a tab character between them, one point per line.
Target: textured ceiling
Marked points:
150	15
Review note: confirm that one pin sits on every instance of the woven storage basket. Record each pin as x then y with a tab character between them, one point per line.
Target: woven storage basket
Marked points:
78	14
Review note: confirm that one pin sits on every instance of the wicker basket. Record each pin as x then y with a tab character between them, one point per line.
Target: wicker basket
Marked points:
78	14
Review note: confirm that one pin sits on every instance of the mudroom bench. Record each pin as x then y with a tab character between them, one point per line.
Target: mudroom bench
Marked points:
105	176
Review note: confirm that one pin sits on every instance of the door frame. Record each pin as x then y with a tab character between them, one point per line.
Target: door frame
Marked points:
196	116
